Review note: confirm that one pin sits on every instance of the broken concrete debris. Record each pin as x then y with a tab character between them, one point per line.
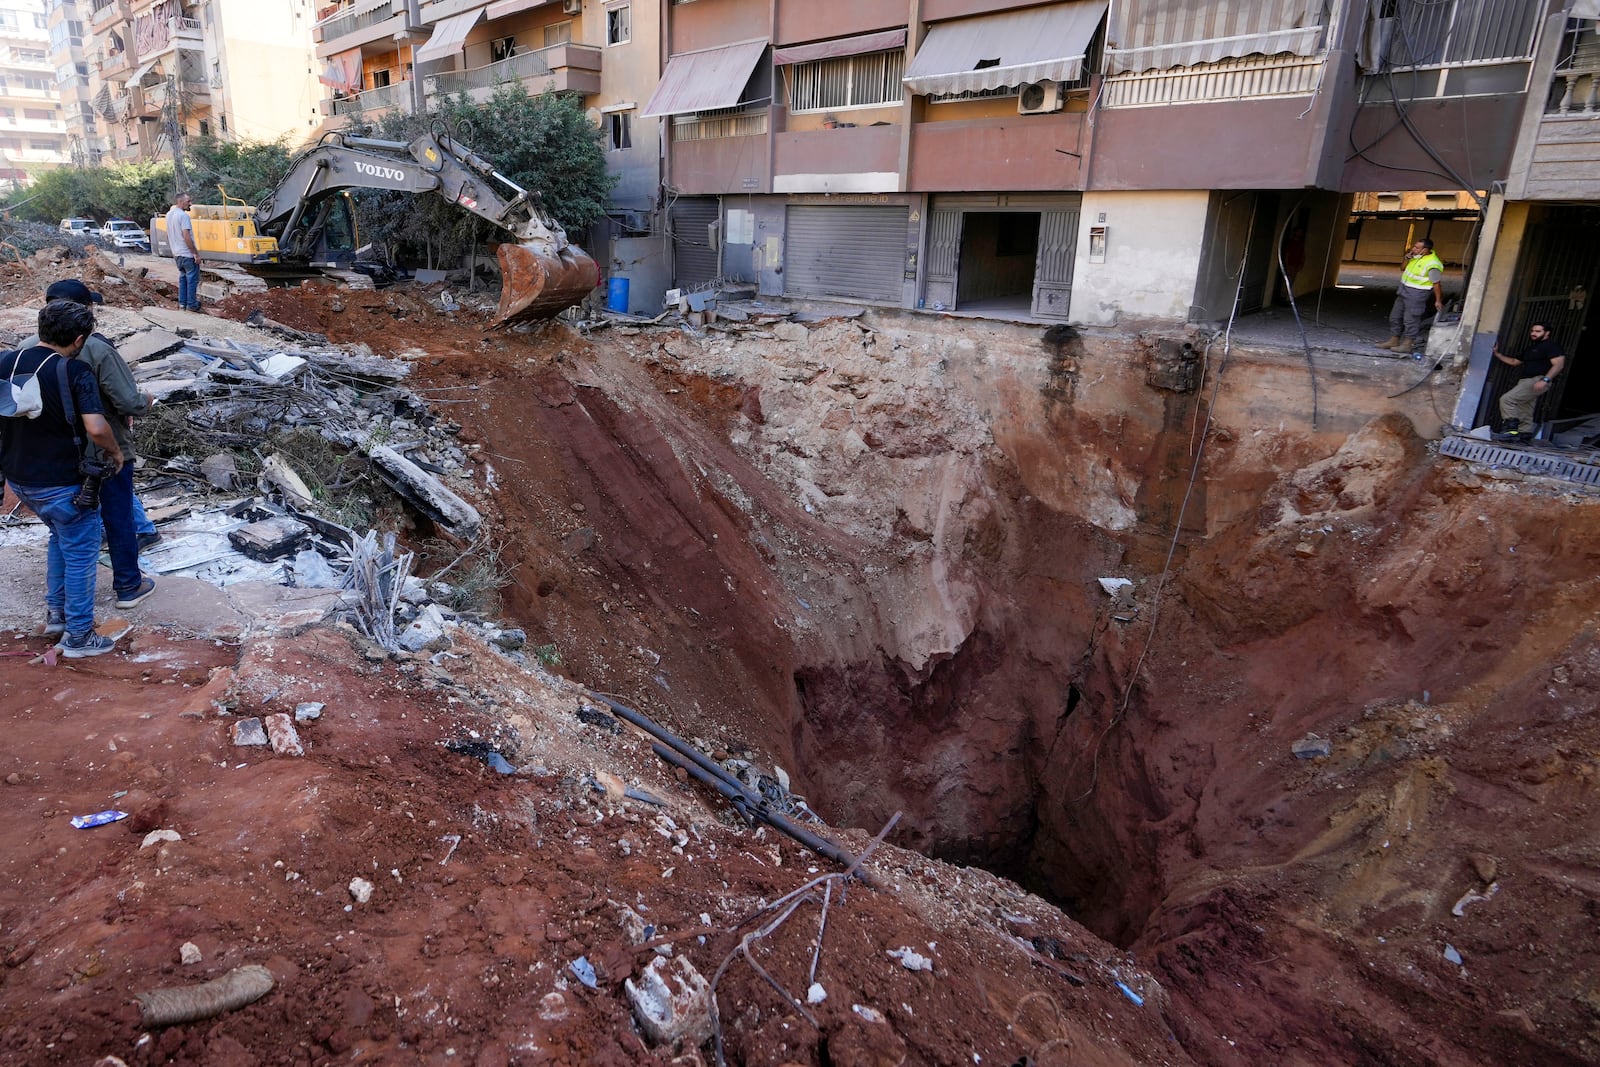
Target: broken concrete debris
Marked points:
285	740
308	711
671	1002
1312	747
270	539
360	890
249	732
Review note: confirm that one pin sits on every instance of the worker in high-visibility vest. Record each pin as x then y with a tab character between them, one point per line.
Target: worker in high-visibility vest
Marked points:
1419	283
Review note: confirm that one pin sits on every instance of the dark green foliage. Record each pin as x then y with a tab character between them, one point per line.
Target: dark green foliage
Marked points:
140	191
544	143
248	170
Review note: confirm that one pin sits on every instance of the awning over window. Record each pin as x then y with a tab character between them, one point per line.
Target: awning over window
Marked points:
1005	50
705	81
844	46
137	77
1157	34
511	7
448	35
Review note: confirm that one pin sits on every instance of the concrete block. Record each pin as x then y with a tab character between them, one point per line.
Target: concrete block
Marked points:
281	732
671	1001
248	732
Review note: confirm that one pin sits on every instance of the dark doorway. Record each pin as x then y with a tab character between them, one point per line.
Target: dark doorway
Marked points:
999	250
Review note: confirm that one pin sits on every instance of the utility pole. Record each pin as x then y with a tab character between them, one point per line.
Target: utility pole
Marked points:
180	177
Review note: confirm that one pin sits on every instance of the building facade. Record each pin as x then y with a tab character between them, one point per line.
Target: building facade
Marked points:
163	71
1083	161
33	131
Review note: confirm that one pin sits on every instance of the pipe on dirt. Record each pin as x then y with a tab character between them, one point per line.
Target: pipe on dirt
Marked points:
680	753
240	986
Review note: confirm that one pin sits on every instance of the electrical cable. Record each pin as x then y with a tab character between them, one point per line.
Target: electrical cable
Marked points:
1288	287
1177	527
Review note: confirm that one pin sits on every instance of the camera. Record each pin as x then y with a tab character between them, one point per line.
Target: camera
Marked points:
94	472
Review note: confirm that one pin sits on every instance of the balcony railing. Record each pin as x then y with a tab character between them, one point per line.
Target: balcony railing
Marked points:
106	14
713	125
1575	92
335	28
385	96
573	66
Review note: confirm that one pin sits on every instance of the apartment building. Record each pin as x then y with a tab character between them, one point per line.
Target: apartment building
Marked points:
1539	251
68	27
1083	160
162	71
33	131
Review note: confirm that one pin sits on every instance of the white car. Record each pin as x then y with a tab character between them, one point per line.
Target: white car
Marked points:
81	227
125	233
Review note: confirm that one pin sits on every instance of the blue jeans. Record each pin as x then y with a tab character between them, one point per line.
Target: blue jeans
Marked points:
74	553
141	521
188	282
122	535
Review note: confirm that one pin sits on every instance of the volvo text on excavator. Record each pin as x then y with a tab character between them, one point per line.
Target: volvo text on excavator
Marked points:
306	220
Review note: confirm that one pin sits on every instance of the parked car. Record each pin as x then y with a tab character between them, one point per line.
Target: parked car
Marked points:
81	227
125	233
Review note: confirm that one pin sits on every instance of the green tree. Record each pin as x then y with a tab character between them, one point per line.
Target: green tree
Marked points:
247	170
544	143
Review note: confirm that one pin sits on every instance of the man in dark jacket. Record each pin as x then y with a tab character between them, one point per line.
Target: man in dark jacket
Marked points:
120	400
41	458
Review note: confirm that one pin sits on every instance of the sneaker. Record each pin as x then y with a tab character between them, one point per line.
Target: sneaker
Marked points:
148	539
134	597
79	646
55	622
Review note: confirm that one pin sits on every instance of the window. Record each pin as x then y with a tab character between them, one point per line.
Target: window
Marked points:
618	25
30	55
8	113
40	21
205	128
558	33
619	130
224	122
853	81
502	48
44	146
41	114
8	19
380	78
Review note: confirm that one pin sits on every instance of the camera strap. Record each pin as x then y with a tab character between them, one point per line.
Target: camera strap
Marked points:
68	408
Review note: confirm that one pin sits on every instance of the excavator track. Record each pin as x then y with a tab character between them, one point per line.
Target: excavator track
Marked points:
536	285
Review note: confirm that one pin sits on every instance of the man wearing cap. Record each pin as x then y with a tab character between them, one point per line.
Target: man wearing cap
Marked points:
42	459
120	400
185	253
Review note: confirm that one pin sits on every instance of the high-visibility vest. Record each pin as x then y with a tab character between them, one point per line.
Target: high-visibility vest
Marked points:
1416	272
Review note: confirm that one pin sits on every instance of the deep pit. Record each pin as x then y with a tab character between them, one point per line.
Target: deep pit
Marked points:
870	554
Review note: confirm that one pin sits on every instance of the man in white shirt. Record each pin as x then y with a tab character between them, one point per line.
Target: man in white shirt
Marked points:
180	236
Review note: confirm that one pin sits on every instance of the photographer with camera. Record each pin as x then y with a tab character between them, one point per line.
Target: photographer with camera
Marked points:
127	529
43	458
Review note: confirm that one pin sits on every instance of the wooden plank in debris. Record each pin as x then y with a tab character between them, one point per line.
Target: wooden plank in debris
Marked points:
270	539
425	492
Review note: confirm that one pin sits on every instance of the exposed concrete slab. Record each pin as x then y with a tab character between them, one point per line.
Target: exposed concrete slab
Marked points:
198	324
149	344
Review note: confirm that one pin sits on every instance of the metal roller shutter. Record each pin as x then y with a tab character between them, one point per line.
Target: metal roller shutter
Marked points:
694	256
853	251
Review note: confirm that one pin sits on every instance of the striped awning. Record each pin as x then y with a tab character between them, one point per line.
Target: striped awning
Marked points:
449	35
840	47
1005	50
512	7
705	81
1158	34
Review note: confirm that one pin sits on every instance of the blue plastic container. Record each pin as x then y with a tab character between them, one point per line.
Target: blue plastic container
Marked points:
617	295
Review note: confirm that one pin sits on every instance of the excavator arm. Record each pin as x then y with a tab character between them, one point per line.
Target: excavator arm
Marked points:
541	272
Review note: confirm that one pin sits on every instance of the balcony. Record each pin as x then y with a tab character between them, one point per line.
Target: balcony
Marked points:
942	152
862	159
114	64
26	125
108	14
562	68
362	25
375	101
18	92
721	152
183	29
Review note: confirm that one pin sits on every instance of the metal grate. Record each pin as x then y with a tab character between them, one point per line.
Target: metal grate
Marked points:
1532	462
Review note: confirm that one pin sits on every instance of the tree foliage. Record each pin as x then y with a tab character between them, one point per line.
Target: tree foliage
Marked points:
247	170
545	143
140	191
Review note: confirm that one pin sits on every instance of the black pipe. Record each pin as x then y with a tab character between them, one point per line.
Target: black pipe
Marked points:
750	804
820	845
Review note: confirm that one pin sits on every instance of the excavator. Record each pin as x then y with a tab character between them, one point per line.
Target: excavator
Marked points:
306	221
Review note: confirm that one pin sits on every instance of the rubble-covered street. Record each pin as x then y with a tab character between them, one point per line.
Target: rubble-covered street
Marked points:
1321	794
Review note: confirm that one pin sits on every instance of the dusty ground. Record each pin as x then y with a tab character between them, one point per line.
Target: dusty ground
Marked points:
868	555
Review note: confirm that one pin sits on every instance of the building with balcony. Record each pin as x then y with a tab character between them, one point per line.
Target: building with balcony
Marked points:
68	30
1087	160
1539	249
33	133
163	71
365	51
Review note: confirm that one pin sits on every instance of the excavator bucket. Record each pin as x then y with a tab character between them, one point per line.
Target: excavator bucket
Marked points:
537	285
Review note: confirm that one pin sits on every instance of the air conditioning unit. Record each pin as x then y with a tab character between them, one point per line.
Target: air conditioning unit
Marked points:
572	7
1039	98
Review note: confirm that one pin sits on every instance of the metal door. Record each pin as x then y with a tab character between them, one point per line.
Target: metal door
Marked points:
944	259
1052	271
1557	271
851	251
694	255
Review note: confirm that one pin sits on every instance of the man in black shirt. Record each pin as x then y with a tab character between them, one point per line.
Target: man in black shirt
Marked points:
1536	369
41	456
